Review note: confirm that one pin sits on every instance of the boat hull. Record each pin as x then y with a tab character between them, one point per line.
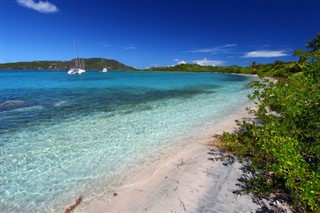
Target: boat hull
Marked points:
75	70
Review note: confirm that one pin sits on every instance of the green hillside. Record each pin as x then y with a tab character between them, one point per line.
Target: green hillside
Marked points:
90	64
201	68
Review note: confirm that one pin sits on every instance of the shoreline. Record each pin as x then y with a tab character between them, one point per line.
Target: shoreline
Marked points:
187	181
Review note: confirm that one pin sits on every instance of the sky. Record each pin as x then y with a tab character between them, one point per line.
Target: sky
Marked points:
148	33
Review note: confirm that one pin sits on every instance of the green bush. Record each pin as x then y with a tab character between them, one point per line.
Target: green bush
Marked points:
283	145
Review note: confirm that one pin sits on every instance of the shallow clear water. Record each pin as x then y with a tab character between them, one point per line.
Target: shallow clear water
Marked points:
65	136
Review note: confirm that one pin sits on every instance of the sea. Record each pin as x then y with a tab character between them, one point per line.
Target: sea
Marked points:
69	136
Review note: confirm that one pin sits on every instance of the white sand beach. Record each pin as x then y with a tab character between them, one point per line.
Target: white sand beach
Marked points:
187	182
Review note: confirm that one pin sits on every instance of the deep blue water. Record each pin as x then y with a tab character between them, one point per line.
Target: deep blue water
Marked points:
63	136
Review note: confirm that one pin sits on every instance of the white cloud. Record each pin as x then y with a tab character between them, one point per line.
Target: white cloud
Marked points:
265	54
208	50
41	6
205	62
180	61
130	48
230	45
218	49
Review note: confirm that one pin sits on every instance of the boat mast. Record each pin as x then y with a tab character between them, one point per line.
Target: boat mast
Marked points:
78	63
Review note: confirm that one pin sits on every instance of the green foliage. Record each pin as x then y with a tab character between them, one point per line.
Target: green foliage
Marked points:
283	145
314	44
100	63
313	54
90	64
276	69
200	68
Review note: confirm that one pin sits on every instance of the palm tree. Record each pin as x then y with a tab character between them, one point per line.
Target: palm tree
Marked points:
314	44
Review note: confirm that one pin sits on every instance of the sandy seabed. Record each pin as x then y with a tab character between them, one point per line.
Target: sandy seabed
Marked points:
187	181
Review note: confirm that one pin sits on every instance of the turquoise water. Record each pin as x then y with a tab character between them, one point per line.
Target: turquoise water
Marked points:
65	136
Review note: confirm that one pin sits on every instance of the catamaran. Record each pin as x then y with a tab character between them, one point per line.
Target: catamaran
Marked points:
104	70
79	64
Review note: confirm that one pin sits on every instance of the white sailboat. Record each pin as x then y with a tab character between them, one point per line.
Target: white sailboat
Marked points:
79	64
104	70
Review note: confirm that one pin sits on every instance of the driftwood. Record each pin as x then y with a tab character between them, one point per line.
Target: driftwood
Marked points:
74	206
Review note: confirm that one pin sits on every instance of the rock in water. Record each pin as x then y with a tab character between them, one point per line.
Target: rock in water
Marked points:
12	104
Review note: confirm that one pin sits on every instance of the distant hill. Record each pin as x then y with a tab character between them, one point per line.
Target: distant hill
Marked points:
90	64
202	68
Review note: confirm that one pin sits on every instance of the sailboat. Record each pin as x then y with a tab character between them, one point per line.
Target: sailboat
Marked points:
104	70
79	64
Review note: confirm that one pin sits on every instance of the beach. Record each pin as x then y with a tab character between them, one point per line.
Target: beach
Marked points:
188	181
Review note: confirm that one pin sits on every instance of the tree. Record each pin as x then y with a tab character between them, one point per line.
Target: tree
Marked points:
313	54
255	67
314	44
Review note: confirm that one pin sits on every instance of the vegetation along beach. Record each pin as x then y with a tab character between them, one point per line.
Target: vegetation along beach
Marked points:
160	106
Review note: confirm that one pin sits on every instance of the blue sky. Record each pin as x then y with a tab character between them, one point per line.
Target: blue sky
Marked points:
145	33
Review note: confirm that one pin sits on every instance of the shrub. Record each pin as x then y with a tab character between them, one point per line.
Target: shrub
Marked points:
283	145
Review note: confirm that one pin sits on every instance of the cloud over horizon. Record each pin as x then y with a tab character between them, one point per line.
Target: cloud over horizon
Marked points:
129	47
265	54
41	6
213	50
205	62
178	61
